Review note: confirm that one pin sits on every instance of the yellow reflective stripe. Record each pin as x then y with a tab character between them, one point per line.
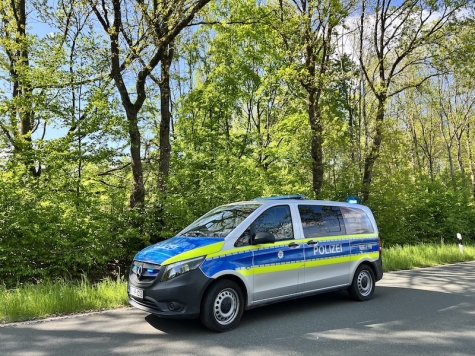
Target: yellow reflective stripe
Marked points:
322	238
197	252
308	264
339	237
245	272
327	261
362	236
230	252
371	256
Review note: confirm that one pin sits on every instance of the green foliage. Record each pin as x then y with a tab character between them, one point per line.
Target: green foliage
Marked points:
423	212
58	225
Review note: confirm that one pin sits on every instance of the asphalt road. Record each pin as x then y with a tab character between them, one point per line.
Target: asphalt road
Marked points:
428	311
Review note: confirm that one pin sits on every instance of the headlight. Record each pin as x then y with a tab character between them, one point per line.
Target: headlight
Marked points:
177	269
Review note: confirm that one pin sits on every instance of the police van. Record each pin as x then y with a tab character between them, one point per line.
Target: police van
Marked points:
247	254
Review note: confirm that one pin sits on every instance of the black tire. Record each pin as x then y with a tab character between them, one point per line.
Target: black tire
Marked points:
363	285
222	306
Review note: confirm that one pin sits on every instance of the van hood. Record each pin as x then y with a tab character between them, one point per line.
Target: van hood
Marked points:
171	249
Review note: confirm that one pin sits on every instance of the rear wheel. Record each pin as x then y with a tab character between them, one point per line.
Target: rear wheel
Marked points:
222	306
363	284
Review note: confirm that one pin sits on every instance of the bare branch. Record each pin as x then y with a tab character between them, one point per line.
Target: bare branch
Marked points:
114	169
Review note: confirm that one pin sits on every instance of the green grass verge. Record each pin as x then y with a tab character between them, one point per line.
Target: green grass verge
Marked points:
27	302
424	255
47	299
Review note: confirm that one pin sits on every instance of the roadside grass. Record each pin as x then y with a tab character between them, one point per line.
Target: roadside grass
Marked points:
424	255
55	298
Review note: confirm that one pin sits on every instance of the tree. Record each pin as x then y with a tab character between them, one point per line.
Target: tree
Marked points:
20	107
455	105
240	132
310	43
393	39
420	120
140	35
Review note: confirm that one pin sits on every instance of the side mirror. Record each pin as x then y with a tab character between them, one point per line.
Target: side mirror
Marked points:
263	238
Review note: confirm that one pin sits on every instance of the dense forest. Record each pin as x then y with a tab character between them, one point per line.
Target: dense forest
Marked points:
122	121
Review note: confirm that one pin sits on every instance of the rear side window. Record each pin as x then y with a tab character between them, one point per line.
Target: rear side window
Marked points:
320	220
356	221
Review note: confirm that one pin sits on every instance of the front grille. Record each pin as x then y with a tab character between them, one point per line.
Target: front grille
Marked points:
144	272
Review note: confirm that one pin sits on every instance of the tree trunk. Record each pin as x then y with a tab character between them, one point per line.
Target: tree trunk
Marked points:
316	143
165	99
22	92
137	195
316	63
470	160
459	152
374	150
448	140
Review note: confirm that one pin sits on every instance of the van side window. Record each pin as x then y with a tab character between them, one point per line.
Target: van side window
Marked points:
356	221
318	220
276	220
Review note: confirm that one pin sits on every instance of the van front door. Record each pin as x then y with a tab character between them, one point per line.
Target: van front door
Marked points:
276	266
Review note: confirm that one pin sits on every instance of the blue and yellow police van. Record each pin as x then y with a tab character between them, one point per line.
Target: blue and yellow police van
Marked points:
247	254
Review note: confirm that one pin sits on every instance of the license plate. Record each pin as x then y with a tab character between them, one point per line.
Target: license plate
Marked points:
138	293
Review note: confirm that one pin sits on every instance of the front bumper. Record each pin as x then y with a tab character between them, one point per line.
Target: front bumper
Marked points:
177	298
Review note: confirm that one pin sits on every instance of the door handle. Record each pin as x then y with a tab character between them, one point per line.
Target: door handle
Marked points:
311	243
293	244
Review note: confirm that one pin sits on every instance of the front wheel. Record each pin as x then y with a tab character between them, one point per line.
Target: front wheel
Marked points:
222	306
363	285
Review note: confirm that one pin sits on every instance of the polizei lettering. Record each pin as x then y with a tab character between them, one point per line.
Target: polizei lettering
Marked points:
327	249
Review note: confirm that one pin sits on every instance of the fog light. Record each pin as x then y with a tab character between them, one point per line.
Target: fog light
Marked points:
174	306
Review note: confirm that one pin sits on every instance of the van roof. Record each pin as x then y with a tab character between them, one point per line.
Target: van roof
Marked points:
283	197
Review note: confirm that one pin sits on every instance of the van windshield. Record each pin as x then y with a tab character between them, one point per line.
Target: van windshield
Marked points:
220	221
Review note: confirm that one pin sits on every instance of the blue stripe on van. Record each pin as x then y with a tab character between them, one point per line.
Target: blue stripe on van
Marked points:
164	250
